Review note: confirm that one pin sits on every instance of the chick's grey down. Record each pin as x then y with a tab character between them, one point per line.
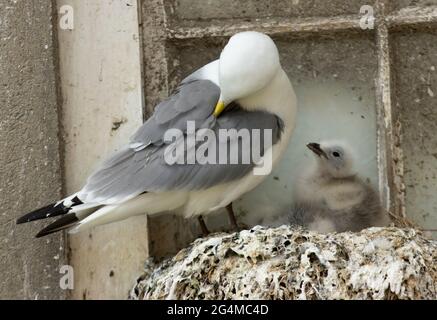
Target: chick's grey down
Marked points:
331	197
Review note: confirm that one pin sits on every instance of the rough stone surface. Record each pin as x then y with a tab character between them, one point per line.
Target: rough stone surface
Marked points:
198	12
290	263
399	4
29	150
416	95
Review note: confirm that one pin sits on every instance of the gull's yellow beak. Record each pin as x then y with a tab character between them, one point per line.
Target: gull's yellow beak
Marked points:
219	108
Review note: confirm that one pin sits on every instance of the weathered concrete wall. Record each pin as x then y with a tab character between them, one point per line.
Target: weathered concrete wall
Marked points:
100	70
30	174
415	74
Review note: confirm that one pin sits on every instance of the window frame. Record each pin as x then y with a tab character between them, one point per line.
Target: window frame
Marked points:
158	29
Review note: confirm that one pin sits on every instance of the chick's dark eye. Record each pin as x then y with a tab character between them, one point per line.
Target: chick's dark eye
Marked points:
336	154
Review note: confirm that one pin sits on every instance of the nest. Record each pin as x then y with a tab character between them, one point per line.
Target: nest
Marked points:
292	263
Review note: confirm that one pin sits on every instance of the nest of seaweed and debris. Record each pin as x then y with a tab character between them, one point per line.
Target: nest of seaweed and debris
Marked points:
292	263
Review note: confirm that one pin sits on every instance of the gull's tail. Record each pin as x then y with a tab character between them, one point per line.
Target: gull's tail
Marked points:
65	222
71	208
52	210
78	216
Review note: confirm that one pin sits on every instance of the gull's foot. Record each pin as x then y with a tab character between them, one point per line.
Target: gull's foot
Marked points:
235	225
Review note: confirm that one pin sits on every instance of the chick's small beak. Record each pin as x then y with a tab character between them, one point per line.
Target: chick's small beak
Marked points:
315	147
219	108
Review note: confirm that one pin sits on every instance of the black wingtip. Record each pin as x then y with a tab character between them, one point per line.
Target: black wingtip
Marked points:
52	210
60	224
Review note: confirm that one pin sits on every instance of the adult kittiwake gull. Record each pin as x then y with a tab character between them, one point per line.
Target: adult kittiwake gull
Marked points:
245	90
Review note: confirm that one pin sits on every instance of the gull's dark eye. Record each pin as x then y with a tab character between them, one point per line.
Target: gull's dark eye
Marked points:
336	154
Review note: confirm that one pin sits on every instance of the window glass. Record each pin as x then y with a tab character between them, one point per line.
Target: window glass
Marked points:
334	80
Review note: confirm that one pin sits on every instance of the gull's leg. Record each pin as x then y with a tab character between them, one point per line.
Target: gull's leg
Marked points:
231	216
202	223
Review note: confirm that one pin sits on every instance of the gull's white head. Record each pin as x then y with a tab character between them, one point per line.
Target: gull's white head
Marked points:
334	159
248	63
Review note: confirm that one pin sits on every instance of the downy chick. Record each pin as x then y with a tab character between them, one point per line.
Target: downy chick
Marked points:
330	197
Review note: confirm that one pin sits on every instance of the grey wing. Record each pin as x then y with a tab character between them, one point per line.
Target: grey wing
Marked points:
142	167
194	100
